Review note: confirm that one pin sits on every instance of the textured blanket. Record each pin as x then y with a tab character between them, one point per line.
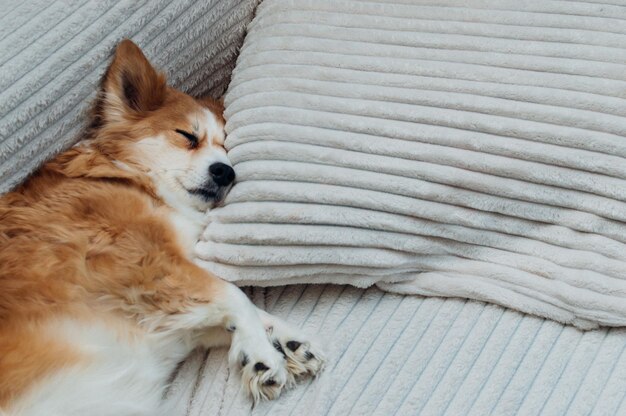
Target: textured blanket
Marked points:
473	149
408	355
53	53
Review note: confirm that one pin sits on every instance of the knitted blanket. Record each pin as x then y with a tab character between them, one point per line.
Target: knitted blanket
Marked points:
471	149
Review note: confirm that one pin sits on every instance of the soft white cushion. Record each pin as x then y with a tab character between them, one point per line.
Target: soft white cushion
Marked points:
469	148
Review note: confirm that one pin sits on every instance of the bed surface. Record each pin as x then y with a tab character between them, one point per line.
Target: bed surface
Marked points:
407	355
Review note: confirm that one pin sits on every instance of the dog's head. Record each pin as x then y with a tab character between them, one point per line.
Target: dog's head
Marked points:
175	140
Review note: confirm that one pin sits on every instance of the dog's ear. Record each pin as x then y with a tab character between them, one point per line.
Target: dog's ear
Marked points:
215	105
130	87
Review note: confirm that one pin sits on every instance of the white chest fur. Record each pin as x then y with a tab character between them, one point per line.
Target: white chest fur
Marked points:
188	226
186	221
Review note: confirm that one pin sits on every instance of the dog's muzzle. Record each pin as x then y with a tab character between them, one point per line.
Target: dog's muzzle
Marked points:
222	174
222	177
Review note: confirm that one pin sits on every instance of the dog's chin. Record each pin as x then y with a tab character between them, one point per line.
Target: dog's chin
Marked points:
210	197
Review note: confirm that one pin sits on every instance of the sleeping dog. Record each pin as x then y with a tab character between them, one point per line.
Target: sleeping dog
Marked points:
99	296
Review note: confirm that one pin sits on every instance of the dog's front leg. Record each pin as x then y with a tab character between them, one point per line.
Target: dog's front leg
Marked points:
263	369
196	306
302	356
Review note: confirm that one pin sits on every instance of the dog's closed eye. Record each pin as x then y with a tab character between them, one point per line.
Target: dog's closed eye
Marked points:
192	138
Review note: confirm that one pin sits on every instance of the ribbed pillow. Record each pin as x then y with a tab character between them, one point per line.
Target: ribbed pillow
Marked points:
458	148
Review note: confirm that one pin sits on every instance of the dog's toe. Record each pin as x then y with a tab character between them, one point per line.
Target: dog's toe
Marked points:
303	358
263	372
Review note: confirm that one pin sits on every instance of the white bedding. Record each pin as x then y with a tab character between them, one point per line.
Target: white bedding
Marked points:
408	355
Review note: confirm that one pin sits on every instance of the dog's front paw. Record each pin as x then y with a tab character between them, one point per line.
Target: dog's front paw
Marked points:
303	357
263	371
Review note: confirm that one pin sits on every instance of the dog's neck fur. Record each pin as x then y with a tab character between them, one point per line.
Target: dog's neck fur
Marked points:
87	160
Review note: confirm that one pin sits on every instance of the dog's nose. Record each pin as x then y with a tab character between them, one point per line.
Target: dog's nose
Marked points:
222	174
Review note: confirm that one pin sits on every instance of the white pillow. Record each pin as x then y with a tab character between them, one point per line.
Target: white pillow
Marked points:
470	149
